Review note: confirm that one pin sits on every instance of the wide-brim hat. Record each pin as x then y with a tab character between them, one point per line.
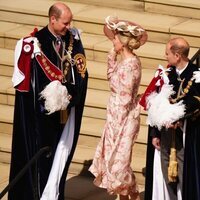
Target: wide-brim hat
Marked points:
124	27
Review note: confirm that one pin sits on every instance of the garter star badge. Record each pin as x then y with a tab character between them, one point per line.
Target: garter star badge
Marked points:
80	61
27	48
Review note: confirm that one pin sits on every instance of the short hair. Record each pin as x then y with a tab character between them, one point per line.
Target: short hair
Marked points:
54	11
179	45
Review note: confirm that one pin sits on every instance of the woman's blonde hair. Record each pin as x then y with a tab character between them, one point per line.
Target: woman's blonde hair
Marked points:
131	42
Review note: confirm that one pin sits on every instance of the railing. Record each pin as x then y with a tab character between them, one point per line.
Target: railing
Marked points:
43	150
196	58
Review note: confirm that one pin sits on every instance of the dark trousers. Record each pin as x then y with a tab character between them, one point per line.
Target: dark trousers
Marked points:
166	142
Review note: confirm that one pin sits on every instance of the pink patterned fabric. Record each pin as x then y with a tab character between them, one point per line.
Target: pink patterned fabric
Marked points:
111	163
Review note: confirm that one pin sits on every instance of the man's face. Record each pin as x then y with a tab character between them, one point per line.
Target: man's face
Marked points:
62	24
171	57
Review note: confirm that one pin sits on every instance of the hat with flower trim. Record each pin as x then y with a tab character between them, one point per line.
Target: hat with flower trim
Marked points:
130	29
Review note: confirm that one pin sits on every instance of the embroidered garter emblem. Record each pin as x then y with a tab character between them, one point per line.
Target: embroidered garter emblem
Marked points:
80	63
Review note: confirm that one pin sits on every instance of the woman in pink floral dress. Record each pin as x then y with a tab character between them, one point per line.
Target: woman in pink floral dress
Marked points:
112	160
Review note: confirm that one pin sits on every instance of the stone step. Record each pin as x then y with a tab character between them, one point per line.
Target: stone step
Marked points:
90	134
90	19
92	127
99	84
96	47
5	143
96	100
7	92
92	108
6	62
7	98
100	113
4	169
83	155
74	182
97	71
138	157
184	8
6	119
126	4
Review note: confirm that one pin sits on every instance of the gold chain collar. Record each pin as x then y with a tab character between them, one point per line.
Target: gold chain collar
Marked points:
64	57
184	92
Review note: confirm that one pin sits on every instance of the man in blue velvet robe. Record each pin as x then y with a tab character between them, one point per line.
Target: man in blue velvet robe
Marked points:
185	79
38	62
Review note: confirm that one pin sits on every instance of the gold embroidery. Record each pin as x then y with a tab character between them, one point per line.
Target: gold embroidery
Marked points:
185	91
49	71
80	64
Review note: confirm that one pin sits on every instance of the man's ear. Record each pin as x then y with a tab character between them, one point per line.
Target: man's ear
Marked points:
53	19
178	56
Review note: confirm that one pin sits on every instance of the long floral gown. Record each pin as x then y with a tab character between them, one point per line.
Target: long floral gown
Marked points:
111	163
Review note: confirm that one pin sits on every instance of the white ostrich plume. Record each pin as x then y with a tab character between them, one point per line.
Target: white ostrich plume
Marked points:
56	97
161	113
196	76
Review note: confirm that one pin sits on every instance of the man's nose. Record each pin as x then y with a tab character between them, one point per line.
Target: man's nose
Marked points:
68	26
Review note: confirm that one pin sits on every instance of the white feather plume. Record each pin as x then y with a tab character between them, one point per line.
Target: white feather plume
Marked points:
161	113
196	76
56	97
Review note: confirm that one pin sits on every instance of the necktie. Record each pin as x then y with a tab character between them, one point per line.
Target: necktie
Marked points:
58	48
58	45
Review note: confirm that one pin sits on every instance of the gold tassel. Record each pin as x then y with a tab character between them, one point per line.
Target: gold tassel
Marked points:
173	166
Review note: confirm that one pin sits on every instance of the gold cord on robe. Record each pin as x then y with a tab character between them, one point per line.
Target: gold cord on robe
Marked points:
173	164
